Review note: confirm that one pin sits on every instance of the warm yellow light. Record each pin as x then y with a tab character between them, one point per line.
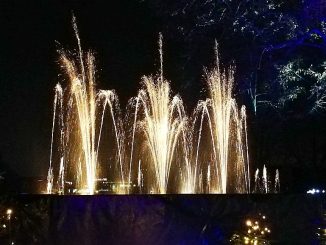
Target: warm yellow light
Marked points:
262	232
249	231
248	222
9	211
264	217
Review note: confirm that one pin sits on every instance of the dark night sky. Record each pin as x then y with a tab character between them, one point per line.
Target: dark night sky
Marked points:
123	35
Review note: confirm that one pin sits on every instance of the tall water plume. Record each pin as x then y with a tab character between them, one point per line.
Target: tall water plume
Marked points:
162	119
79	133
227	132
263	184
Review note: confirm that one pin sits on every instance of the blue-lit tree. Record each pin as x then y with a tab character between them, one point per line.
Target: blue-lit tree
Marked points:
302	82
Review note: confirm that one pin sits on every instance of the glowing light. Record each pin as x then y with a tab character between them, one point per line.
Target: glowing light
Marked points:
163	123
76	121
263	184
314	191
79	111
161	128
228	131
255	234
9	213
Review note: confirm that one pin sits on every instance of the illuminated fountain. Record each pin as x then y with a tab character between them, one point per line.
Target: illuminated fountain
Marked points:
162	122
157	148
227	132
75	117
263	184
161	125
